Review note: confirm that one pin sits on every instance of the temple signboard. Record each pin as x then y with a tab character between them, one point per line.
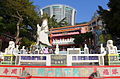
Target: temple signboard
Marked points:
59	60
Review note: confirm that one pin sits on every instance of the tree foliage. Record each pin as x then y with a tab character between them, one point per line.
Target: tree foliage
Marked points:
19	18
111	17
103	38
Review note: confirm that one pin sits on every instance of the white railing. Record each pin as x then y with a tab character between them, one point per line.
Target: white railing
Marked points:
33	58
82	58
118	51
71	58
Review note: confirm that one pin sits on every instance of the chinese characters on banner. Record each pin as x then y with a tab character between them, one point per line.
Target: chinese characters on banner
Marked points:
60	72
109	71
10	71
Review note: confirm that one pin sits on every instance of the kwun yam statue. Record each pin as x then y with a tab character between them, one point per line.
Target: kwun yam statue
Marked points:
42	33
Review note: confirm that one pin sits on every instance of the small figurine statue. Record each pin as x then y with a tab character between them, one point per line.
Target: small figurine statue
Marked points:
37	51
45	50
102	49
16	50
23	51
57	49
86	50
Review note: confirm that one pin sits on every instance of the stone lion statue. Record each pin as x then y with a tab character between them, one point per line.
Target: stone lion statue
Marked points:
111	48
10	48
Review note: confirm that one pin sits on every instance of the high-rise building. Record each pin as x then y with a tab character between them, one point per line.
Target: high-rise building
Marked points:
60	12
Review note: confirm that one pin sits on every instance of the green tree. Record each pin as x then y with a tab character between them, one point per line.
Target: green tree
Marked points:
111	17
104	37
19	13
1	23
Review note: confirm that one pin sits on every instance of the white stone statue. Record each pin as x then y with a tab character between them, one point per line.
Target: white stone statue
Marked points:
16	50
37	51
45	50
102	49
111	48
86	49
42	33
23	51
10	48
57	49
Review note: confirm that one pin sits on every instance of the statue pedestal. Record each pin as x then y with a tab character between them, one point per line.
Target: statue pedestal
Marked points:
112	59
8	59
